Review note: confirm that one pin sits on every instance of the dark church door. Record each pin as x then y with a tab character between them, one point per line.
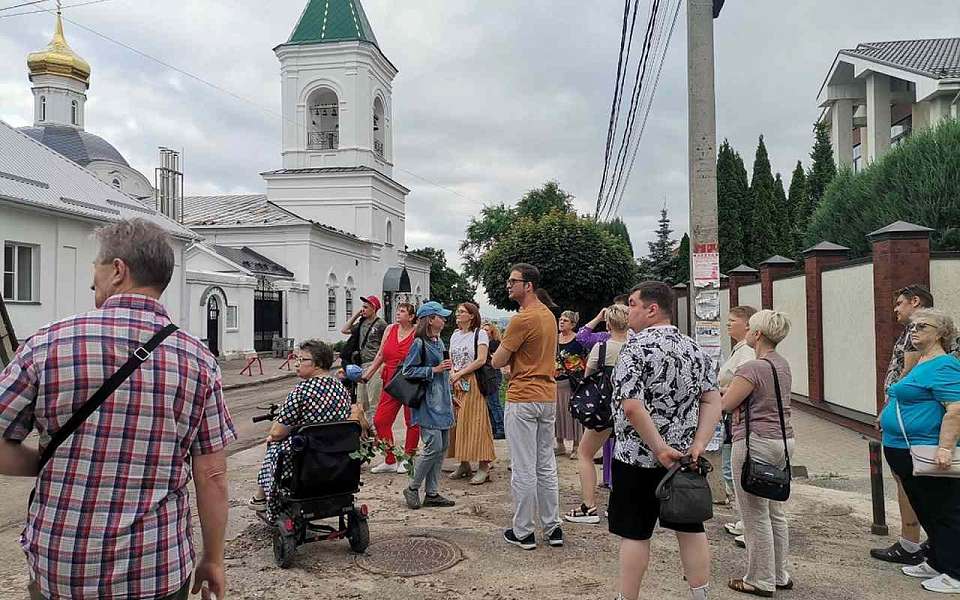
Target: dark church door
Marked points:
267	317
213	325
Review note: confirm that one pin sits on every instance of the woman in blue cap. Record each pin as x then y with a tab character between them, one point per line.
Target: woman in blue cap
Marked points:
435	413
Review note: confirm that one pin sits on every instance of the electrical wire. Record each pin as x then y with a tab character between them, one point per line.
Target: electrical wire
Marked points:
22	5
41	10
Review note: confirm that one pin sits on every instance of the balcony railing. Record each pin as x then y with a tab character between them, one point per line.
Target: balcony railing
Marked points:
378	148
323	140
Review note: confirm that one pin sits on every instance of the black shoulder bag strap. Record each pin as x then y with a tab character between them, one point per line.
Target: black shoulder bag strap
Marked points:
139	356
783	425
602	362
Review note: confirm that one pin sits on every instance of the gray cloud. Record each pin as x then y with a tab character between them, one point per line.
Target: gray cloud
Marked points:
493	98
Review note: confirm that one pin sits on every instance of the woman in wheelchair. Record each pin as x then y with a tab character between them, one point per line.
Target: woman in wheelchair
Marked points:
319	398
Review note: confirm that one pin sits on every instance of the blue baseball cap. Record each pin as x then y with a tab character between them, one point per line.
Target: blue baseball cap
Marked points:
353	372
428	309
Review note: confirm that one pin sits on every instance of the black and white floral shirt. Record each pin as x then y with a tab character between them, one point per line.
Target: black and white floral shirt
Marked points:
900	348
669	372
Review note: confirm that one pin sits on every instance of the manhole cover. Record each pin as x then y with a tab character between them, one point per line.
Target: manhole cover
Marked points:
409	556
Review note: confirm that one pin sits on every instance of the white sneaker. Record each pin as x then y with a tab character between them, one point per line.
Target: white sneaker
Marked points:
734	528
943	584
401	468
385	468
740	541
921	571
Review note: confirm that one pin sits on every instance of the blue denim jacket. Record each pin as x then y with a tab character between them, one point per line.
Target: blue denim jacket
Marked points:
436	411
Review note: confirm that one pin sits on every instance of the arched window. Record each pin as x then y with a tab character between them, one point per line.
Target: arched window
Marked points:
389	232
115	183
75	112
332	308
323	120
348	301
43	108
378	128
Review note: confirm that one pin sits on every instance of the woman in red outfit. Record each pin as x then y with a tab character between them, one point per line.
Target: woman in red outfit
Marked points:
396	343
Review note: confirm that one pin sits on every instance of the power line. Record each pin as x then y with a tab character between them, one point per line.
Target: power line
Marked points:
21	5
46	10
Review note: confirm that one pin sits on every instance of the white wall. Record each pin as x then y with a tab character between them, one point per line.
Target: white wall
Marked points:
237	291
945	286
790	297
749	295
849	342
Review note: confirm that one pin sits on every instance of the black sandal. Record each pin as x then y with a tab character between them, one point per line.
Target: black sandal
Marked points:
739	585
787	586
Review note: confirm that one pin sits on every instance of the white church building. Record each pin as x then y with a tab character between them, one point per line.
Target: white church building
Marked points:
290	263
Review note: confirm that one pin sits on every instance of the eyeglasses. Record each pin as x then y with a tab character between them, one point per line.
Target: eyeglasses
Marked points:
512	282
921	326
300	359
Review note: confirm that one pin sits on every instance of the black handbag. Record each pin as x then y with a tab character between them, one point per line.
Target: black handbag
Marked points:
684	492
592	401
760	479
409	391
486	374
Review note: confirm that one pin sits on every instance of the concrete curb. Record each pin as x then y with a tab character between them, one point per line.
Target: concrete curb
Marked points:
271	379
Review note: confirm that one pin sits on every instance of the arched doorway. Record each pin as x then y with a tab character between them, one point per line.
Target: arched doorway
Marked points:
213	325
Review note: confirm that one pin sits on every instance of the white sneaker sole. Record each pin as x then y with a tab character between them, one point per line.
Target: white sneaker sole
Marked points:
916	575
591	520
520	544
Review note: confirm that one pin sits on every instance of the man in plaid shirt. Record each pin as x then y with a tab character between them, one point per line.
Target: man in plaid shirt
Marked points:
111	516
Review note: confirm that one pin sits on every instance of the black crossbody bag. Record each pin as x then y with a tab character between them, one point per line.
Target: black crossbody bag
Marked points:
486	374
408	390
137	358
760	479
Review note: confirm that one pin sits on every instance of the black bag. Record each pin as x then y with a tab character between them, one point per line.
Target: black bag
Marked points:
760	479
684	492
486	375
351	353
592	401
409	391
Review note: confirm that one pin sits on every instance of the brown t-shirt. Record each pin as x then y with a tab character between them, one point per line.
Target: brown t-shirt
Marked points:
532	338
764	418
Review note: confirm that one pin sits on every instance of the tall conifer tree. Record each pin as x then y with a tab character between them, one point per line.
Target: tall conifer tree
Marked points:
764	215
823	169
799	202
729	207
784	242
659	264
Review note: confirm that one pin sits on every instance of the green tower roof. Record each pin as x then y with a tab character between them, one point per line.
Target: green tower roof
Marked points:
333	21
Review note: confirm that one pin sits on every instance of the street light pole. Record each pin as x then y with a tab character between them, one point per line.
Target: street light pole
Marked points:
704	290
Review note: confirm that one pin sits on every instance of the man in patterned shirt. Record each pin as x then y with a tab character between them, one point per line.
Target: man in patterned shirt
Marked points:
111	515
667	406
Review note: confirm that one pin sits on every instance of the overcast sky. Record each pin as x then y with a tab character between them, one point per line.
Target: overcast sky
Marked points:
493	97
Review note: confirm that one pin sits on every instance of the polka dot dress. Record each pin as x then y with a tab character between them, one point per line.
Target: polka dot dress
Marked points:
314	400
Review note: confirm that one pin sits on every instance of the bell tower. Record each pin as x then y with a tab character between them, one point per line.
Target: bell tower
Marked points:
336	91
60	80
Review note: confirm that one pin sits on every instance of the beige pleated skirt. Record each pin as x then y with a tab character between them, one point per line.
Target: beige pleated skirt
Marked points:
567	428
471	439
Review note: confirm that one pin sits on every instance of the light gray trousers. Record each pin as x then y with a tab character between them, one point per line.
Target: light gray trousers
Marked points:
429	462
765	525
533	483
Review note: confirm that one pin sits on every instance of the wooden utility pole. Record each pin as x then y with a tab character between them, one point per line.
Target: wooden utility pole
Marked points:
704	293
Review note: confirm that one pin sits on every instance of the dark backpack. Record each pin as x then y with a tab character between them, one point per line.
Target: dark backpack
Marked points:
592	402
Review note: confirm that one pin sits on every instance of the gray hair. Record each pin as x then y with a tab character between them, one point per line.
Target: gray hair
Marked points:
941	321
771	324
618	317
143	246
572	316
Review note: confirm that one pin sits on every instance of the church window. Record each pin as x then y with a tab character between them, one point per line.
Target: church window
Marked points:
43	108
75	112
20	272
332	308
348	300
115	183
389	232
323	120
232	317
378	128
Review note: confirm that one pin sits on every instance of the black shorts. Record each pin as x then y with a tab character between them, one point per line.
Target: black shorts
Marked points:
634	508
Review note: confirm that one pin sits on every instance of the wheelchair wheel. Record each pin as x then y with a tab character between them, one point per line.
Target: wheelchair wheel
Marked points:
358	533
283	548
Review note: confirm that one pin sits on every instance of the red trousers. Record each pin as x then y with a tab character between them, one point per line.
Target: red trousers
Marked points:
383	419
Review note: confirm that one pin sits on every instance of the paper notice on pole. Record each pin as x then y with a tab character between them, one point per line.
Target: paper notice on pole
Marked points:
708	333
707	307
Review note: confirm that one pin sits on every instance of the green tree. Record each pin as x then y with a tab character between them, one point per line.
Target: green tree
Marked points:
582	266
822	170
618	228
447	287
783	244
914	182
798	205
764	217
496	220
660	263
731	194
681	263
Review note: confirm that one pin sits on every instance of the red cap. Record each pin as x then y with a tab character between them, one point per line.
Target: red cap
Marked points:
372	301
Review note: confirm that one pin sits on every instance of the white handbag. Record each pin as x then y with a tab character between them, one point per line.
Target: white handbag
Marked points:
924	457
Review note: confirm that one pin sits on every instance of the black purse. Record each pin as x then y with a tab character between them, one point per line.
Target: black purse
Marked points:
760	479
592	401
486	375
684	492
409	391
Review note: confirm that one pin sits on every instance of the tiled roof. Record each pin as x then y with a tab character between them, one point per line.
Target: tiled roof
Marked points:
937	58
252	261
82	147
243	210
34	175
333	21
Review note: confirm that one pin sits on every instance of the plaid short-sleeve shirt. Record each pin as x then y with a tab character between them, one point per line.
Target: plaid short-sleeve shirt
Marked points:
111	516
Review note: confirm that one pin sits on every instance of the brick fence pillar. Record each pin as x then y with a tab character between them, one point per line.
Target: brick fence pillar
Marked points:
901	256
742	275
769	270
815	259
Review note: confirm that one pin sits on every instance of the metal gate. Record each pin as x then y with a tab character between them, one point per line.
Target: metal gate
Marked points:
267	315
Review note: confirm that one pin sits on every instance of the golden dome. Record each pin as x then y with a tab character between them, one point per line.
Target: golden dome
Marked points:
58	59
